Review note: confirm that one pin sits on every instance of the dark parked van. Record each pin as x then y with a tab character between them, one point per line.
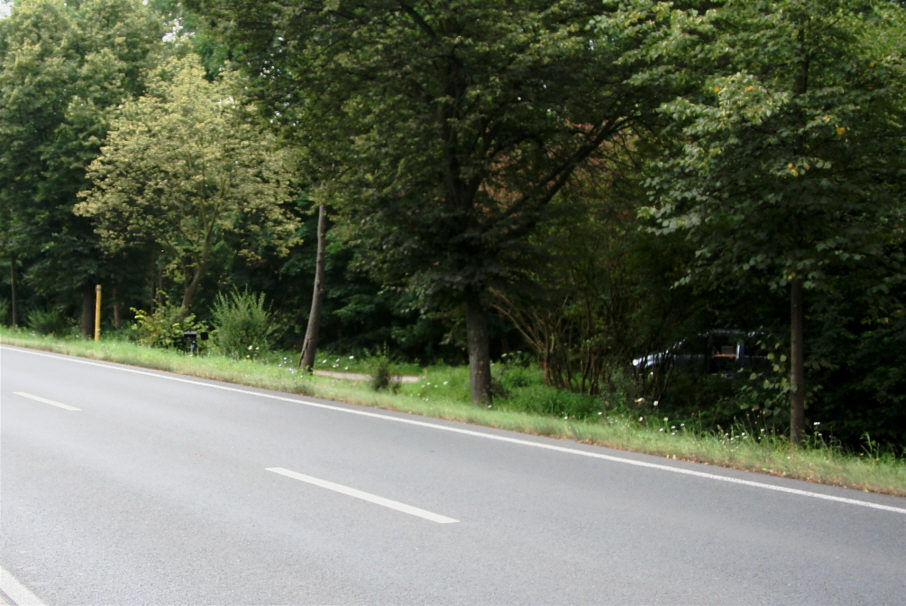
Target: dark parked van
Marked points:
711	352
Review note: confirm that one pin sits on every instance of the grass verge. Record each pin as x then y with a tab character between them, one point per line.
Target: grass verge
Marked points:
439	394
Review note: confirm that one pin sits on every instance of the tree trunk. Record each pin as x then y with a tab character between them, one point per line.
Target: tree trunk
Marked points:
117	312
12	291
188	295
157	283
191	287
479	349
797	363
797	332
310	344
86	322
153	301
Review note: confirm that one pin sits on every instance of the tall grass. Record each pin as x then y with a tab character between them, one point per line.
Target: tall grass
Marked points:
523	404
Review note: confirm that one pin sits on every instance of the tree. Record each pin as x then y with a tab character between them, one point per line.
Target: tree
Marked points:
788	164
452	126
63	66
312	330
181	170
601	290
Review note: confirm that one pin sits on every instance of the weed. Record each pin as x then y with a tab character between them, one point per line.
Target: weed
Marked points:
380	368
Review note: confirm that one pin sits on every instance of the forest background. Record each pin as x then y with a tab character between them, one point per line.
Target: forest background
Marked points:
569	185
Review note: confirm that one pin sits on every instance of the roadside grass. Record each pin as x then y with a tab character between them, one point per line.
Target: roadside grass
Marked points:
522	404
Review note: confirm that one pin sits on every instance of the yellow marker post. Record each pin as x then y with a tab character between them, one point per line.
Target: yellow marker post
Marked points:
97	313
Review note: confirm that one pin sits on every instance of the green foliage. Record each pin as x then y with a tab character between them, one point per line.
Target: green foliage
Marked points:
381	368
712	401
63	66
51	321
441	382
458	144
182	172
784	169
546	400
165	327
519	386
440	132
601	287
864	389
244	328
516	370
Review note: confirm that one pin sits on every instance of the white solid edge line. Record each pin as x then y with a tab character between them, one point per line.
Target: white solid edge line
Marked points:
483	435
16	591
29	396
365	496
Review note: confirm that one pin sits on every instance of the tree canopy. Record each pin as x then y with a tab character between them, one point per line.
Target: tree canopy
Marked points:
450	126
180	171
63	67
595	180
787	166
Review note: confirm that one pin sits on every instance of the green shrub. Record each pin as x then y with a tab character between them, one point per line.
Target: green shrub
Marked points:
546	400
864	389
244	328
512	375
165	328
5	317
48	322
381	369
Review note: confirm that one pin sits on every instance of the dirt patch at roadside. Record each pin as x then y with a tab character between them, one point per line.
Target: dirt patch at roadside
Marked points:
356	376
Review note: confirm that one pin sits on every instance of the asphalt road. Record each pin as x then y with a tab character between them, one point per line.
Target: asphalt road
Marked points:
125	486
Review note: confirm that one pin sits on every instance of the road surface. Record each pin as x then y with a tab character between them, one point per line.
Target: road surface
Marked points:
120	485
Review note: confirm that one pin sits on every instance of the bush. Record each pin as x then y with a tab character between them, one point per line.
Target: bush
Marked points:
381	369
165	328
243	325
865	389
516	371
546	400
48	322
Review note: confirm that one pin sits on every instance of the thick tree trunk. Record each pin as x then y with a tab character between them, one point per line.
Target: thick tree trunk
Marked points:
479	349
310	344
797	363
12	292
86	322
